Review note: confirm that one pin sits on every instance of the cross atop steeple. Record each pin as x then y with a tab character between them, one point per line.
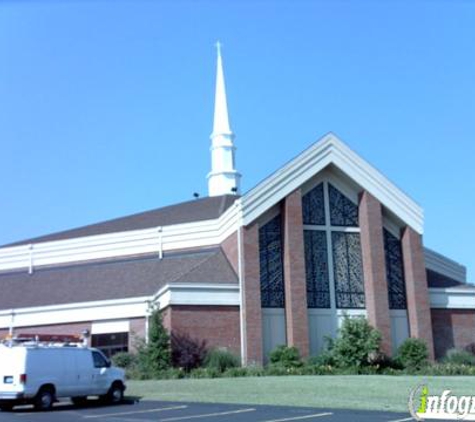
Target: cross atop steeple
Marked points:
223	178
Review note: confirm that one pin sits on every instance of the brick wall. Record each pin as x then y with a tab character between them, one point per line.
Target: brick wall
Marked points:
218	325
230	249
418	305
452	328
136	332
374	267
252	311
294	274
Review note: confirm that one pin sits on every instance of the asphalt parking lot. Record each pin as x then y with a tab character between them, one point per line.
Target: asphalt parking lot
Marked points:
155	411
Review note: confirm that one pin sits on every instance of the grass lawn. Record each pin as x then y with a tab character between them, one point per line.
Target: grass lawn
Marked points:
376	392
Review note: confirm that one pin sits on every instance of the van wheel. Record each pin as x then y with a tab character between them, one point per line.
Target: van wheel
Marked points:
116	393
6	407
44	399
79	401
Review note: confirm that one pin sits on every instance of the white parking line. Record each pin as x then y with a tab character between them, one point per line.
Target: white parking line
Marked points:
231	412
136	412
402	420
299	418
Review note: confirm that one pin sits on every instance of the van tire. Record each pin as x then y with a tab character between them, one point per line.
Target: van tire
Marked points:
79	401
6	407
115	395
44	399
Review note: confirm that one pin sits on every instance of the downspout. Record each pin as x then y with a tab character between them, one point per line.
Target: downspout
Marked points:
12	323
241	287
160	242
147	320
30	259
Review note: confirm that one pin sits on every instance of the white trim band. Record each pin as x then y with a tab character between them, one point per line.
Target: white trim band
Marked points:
452	298
109	310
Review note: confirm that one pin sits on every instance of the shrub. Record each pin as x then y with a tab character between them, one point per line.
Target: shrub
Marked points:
221	360
412	354
205	373
357	341
124	360
187	353
154	356
459	357
323	359
285	356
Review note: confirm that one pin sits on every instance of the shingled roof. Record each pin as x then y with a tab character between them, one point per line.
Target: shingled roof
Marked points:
119	279
197	210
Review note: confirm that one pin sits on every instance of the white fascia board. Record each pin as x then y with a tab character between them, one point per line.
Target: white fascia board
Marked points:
112	245
441	264
110	310
107	327
330	150
452	298
75	312
197	294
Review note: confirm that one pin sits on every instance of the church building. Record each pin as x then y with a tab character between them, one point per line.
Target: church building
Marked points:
324	236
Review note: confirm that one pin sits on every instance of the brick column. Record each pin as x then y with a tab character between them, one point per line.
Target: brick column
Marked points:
418	303
294	274
252	312
374	267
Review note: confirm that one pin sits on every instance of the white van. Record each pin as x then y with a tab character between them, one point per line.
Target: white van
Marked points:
37	374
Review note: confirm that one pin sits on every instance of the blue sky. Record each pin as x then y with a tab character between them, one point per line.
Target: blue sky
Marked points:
106	106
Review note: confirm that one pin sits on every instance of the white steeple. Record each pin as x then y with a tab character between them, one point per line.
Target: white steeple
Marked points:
223	178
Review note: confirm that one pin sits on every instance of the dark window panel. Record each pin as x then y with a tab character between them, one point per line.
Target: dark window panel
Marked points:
313	210
343	212
394	271
271	265
316	268
348	271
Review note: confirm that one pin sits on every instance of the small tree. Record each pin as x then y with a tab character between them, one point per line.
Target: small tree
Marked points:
357	341
155	356
187	353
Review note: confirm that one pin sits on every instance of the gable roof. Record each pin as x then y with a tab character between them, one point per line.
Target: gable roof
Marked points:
201	209
330	150
117	279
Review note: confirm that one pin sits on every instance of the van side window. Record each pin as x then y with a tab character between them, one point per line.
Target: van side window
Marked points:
99	361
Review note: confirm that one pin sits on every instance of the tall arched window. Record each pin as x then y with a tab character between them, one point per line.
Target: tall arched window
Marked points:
333	262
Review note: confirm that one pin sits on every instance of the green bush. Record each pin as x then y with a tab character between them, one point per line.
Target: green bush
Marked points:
447	369
124	360
323	359
459	357
205	373
286	357
154	356
221	360
412	354
357	341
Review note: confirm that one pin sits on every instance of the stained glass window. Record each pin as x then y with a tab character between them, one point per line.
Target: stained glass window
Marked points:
271	267
316	267
343	212
394	271
313	209
347	267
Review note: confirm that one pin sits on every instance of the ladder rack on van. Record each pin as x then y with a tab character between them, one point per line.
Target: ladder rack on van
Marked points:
44	340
